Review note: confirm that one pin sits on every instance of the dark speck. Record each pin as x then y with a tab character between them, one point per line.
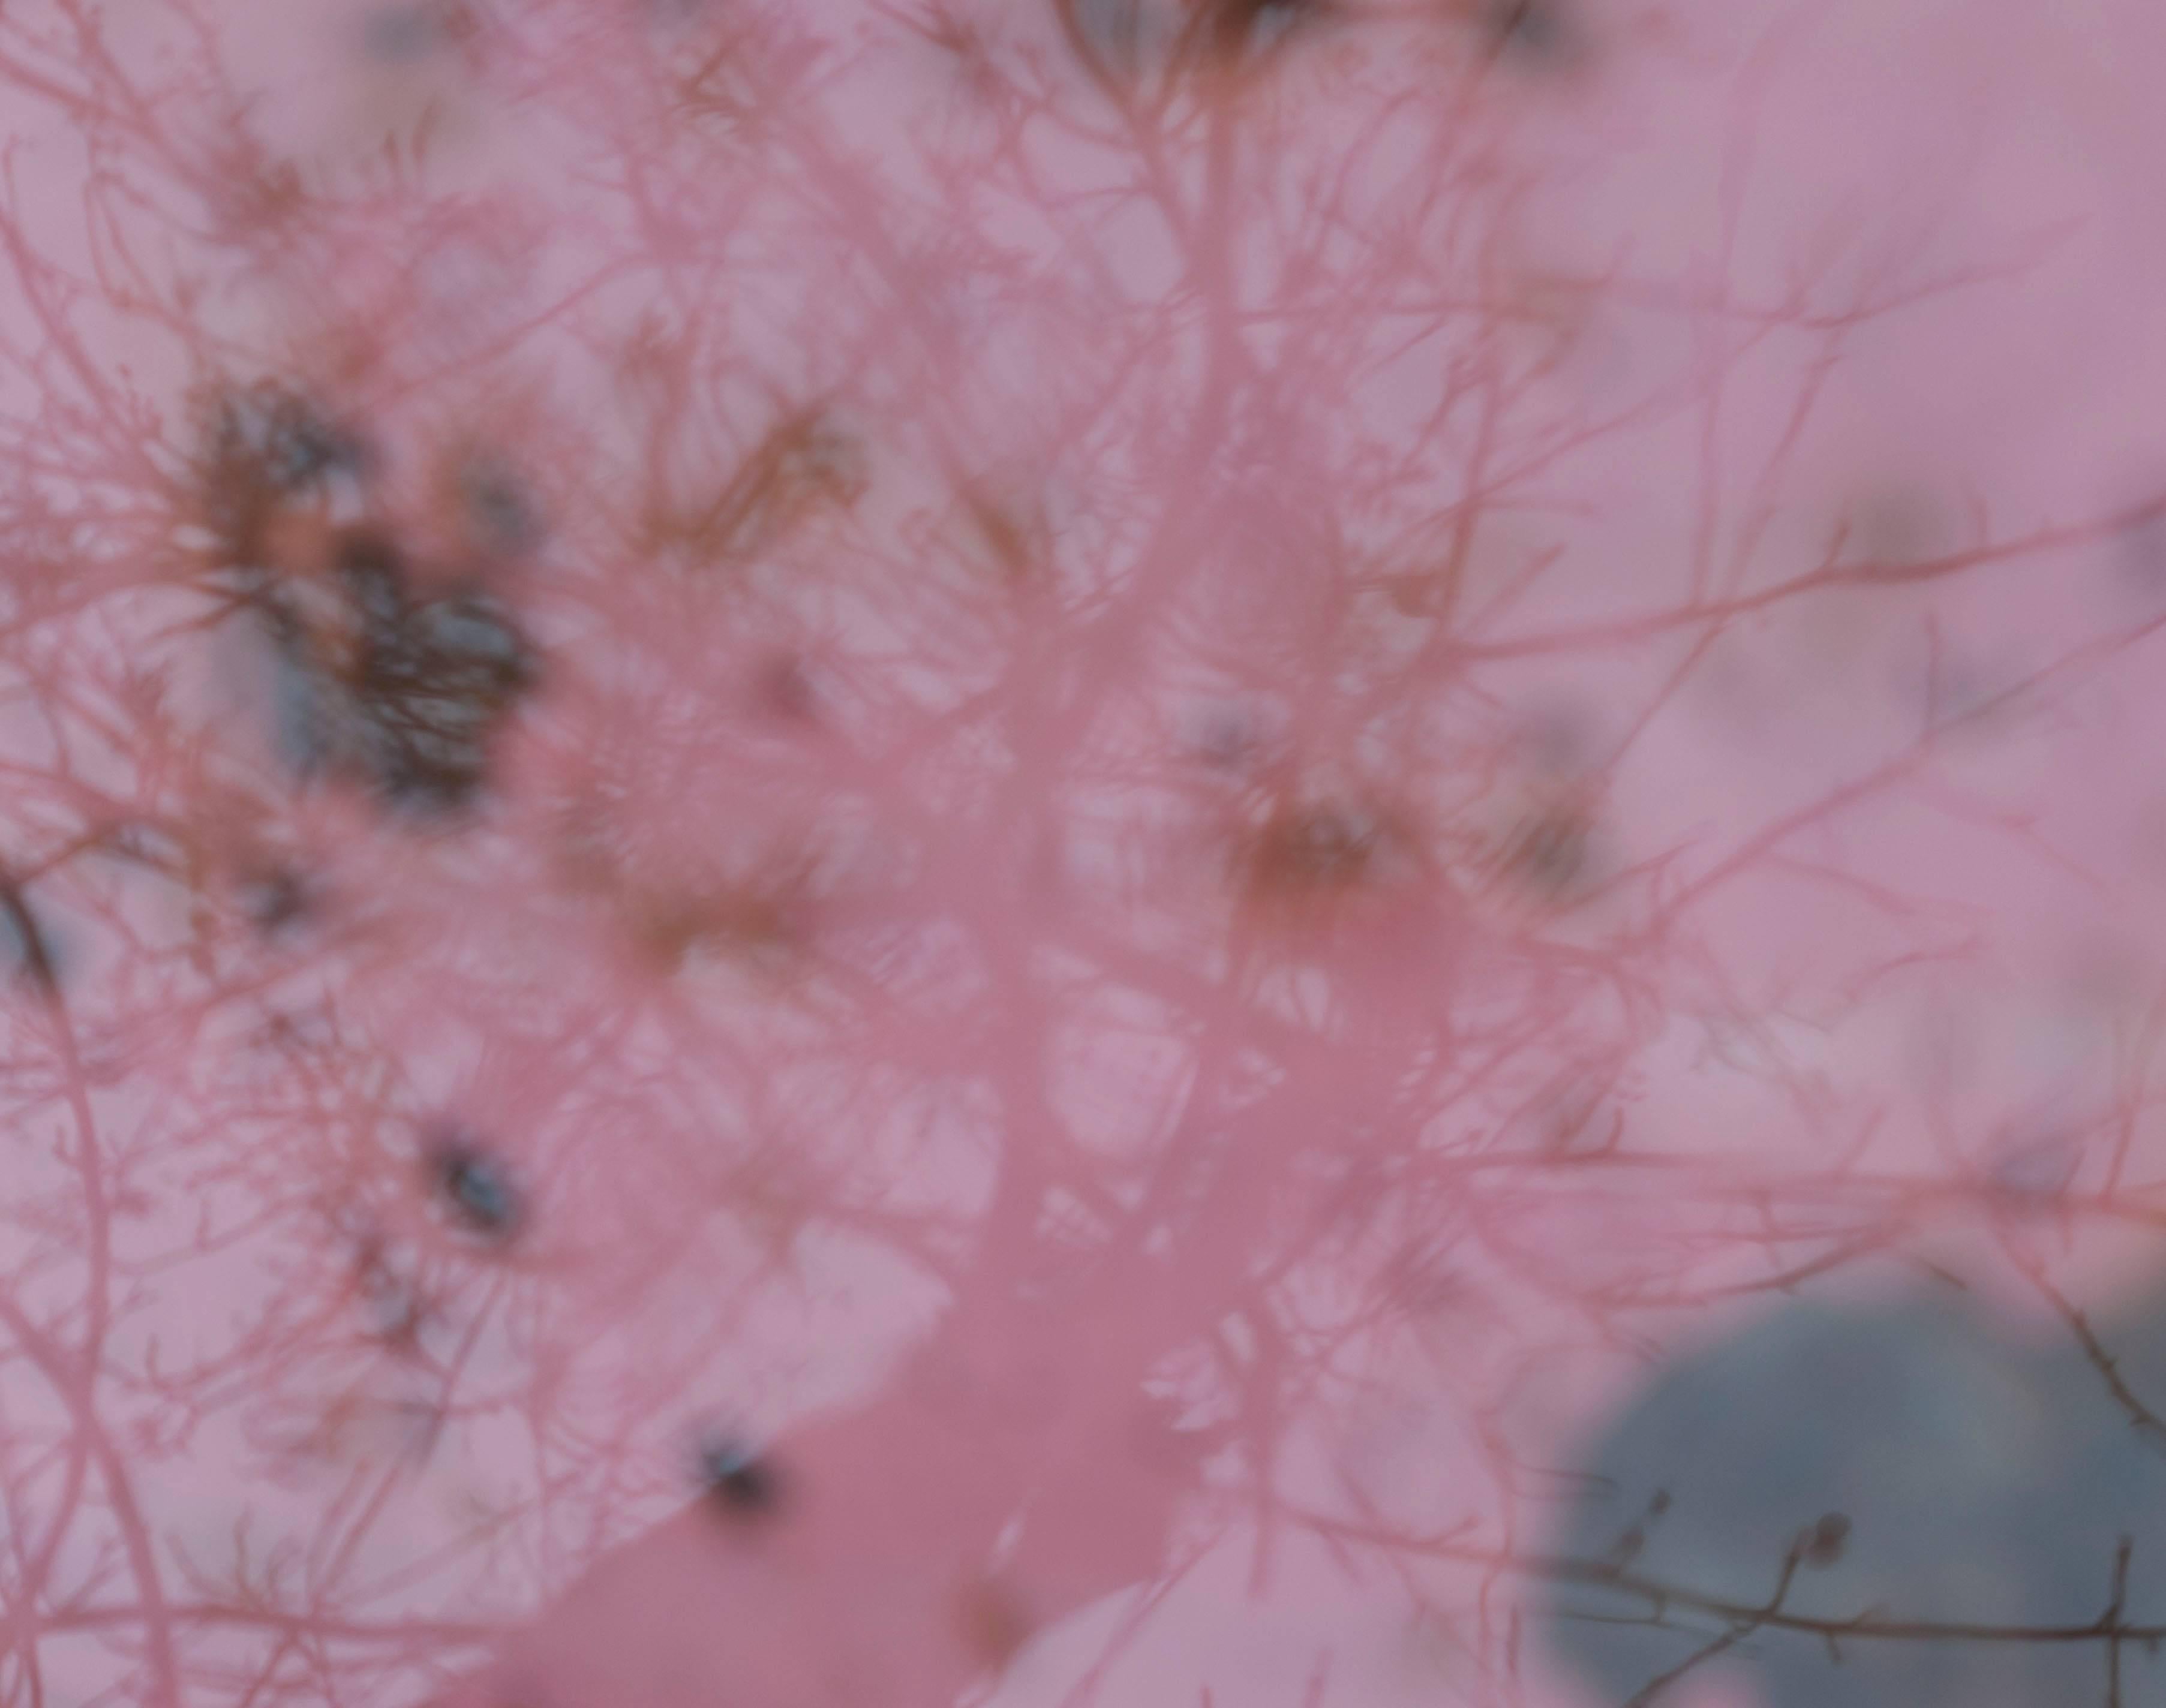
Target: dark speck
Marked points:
475	1187
741	1480
25	944
275	899
499	512
1823	1544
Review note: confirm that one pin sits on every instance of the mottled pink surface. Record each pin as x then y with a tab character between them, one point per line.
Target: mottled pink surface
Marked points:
1247	744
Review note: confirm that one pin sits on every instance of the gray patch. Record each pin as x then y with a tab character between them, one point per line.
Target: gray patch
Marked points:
1909	1465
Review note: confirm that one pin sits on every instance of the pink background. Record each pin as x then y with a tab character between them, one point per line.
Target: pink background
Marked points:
1725	445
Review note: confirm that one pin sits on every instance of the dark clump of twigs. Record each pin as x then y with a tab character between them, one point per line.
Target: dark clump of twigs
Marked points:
270	448
379	681
405	694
